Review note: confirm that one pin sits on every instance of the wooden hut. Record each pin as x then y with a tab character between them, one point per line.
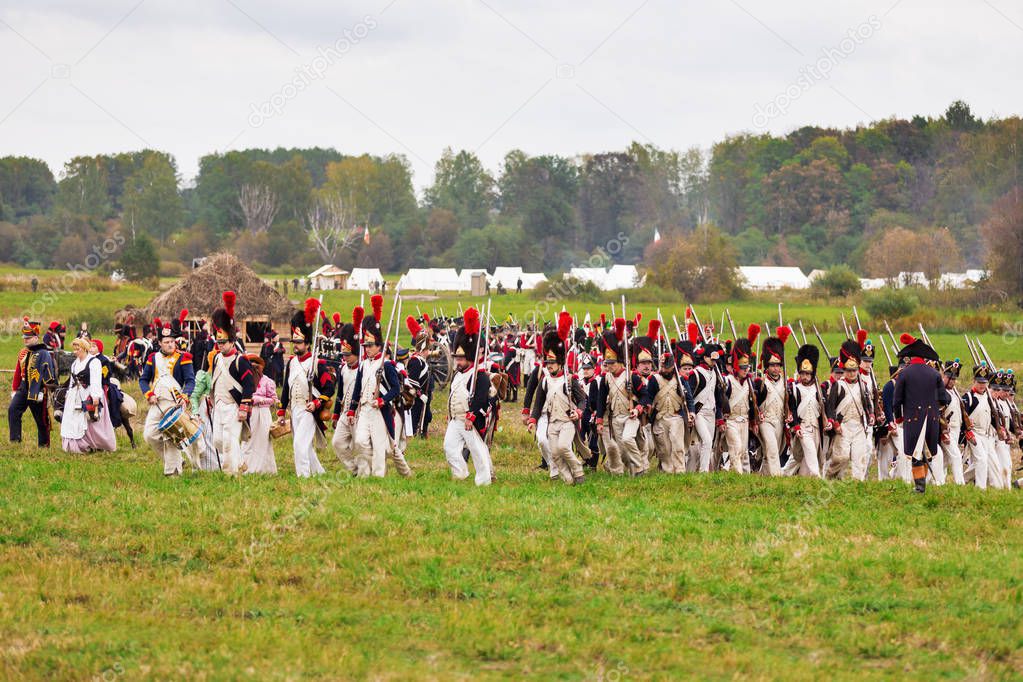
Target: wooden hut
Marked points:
260	307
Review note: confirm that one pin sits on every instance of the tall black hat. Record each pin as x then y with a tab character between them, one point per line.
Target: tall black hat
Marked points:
467	338
849	354
807	358
302	321
774	347
223	318
610	342
371	330
554	342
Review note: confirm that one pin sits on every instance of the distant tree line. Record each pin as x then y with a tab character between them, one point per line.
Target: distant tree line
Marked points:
815	198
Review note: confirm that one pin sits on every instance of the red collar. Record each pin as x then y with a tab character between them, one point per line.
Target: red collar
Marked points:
854	381
917	361
306	356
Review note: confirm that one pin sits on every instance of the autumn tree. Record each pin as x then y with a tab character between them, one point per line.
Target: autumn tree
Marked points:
701	266
1003	234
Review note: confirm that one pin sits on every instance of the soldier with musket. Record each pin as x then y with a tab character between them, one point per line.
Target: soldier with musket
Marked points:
419	375
849	415
307	389
561	397
35	375
806	415
740	403
671	408
618	408
772	404
919	398
468	401
343	441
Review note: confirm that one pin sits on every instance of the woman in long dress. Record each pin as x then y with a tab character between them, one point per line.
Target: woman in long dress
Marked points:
258	450
85	425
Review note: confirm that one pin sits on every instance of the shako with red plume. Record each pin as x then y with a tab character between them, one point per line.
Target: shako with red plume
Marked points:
223	318
866	345
644	348
610	342
420	334
467	338
372	333
555	340
302	321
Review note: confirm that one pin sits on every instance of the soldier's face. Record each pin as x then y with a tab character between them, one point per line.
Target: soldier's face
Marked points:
980	386
851	374
774	370
805	378
167	345
950	381
31	340
587	372
645	368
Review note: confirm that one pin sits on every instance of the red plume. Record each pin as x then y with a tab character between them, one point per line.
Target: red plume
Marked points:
636	320
311	304
377	301
861	337
752	333
538	342
413	327
157	322
693	332
784	333
620	328
426	319
337	319
182	315
564	325
471	318
358	312
653	330
603	320
906	339
229	301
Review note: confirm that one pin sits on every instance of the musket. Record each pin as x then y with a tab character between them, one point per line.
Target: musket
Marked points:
887	355
674	363
821	342
845	326
803	332
390	321
780	323
703	335
856	315
475	361
923	335
895	344
731	324
973	351
986	356
628	367
316	334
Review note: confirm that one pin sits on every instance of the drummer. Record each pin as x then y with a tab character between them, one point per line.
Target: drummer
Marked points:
167	381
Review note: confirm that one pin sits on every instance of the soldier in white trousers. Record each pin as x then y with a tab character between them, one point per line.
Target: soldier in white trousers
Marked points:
307	390
771	396
468	402
343	441
168	379
849	416
740	416
951	455
706	386
233	383
806	412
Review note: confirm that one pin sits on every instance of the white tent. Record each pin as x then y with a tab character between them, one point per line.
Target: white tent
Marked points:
760	277
509	278
868	284
363	278
594	275
622	277
328	277
430	279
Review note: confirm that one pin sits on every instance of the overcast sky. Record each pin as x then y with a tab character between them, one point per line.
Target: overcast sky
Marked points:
413	76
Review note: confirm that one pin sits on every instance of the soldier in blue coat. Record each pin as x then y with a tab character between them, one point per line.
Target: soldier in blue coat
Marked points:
918	401
34	376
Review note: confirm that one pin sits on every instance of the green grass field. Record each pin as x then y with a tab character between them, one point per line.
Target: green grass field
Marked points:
110	571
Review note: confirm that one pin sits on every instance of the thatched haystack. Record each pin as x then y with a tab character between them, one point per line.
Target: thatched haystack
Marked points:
200	292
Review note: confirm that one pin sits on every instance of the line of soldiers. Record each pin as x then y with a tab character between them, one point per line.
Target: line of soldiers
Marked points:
700	405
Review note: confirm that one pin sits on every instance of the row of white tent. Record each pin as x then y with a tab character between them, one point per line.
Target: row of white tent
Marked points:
948	280
615	277
448	279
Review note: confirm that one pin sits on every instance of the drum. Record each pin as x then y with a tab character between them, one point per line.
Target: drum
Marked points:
179	427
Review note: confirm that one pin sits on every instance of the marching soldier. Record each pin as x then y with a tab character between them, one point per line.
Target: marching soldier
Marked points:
562	399
740	413
34	376
806	415
671	408
167	381
588	427
643	351
617	407
772	402
919	395
849	415
307	389
419	375
536	375
987	428
957	421
706	385
377	386
467	405
1000	393
343	441
232	386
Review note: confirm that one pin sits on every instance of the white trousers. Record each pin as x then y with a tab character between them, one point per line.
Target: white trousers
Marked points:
849	450
456	438
343	443
951	456
168	451
982	454
669	436
303	430
737	436
542	440
772	436
227	436
803	459
705	435
372	442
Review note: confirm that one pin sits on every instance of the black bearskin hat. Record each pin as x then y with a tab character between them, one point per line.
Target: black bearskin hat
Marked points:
223	318
555	342
371	331
467	338
774	347
610	342
807	358
849	354
302	321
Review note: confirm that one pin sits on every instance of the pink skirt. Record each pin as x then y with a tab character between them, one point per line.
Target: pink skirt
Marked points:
99	435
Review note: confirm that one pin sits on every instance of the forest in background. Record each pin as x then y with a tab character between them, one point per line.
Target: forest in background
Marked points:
813	198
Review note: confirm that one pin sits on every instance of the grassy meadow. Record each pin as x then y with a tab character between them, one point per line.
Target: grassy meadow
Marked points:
110	571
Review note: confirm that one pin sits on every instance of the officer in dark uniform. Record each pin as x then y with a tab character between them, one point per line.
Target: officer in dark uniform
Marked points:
919	398
34	376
